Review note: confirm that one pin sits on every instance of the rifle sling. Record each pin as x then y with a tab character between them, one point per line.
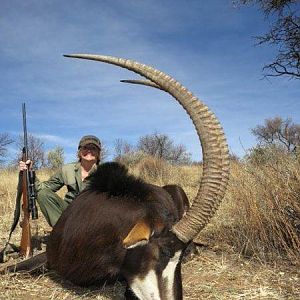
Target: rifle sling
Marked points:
15	221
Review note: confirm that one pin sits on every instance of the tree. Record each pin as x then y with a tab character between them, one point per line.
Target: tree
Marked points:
161	146
55	158
122	148
36	151
5	140
104	152
284	33
276	131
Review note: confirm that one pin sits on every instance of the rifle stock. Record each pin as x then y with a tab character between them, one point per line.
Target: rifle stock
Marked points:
25	247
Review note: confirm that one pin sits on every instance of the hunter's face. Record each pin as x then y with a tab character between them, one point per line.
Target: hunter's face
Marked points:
89	152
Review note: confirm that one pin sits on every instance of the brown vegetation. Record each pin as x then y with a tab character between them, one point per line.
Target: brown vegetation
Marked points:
260	216
250	250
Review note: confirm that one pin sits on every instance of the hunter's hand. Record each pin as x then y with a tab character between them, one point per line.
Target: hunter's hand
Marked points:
23	166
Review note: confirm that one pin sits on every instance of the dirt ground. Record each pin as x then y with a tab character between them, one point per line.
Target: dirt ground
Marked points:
210	274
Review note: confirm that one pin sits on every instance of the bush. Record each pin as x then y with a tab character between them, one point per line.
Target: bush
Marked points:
261	212
55	158
131	159
154	169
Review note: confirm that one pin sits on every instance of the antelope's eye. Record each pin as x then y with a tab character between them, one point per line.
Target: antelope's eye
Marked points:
166	252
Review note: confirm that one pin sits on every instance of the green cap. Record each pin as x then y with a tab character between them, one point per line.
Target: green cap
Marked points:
89	139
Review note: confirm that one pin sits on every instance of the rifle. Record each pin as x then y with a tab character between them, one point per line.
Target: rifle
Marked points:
26	191
28	196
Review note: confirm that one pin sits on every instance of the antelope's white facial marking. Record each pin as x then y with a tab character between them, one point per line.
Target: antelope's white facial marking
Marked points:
168	275
146	288
138	244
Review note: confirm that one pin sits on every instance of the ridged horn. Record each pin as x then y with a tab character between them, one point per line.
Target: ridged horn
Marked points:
215	152
142	82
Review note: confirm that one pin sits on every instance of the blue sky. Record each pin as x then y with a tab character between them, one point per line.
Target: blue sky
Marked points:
207	46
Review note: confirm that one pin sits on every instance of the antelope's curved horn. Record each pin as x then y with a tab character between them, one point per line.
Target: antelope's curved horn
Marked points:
214	147
141	82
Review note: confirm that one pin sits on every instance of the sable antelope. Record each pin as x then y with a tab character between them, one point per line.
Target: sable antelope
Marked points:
119	227
123	227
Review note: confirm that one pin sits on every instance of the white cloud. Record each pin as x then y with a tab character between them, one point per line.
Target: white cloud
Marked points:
56	140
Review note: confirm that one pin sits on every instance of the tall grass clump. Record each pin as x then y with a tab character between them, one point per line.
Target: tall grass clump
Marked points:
8	187
260	215
160	172
8	190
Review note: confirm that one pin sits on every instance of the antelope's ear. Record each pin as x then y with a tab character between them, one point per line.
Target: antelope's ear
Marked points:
139	235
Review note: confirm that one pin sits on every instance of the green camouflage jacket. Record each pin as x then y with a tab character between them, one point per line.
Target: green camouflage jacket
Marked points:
69	176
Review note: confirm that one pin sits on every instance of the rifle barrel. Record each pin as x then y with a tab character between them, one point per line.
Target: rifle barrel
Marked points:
25	149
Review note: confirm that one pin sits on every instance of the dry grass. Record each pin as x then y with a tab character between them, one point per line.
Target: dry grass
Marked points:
252	244
260	215
219	275
209	275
